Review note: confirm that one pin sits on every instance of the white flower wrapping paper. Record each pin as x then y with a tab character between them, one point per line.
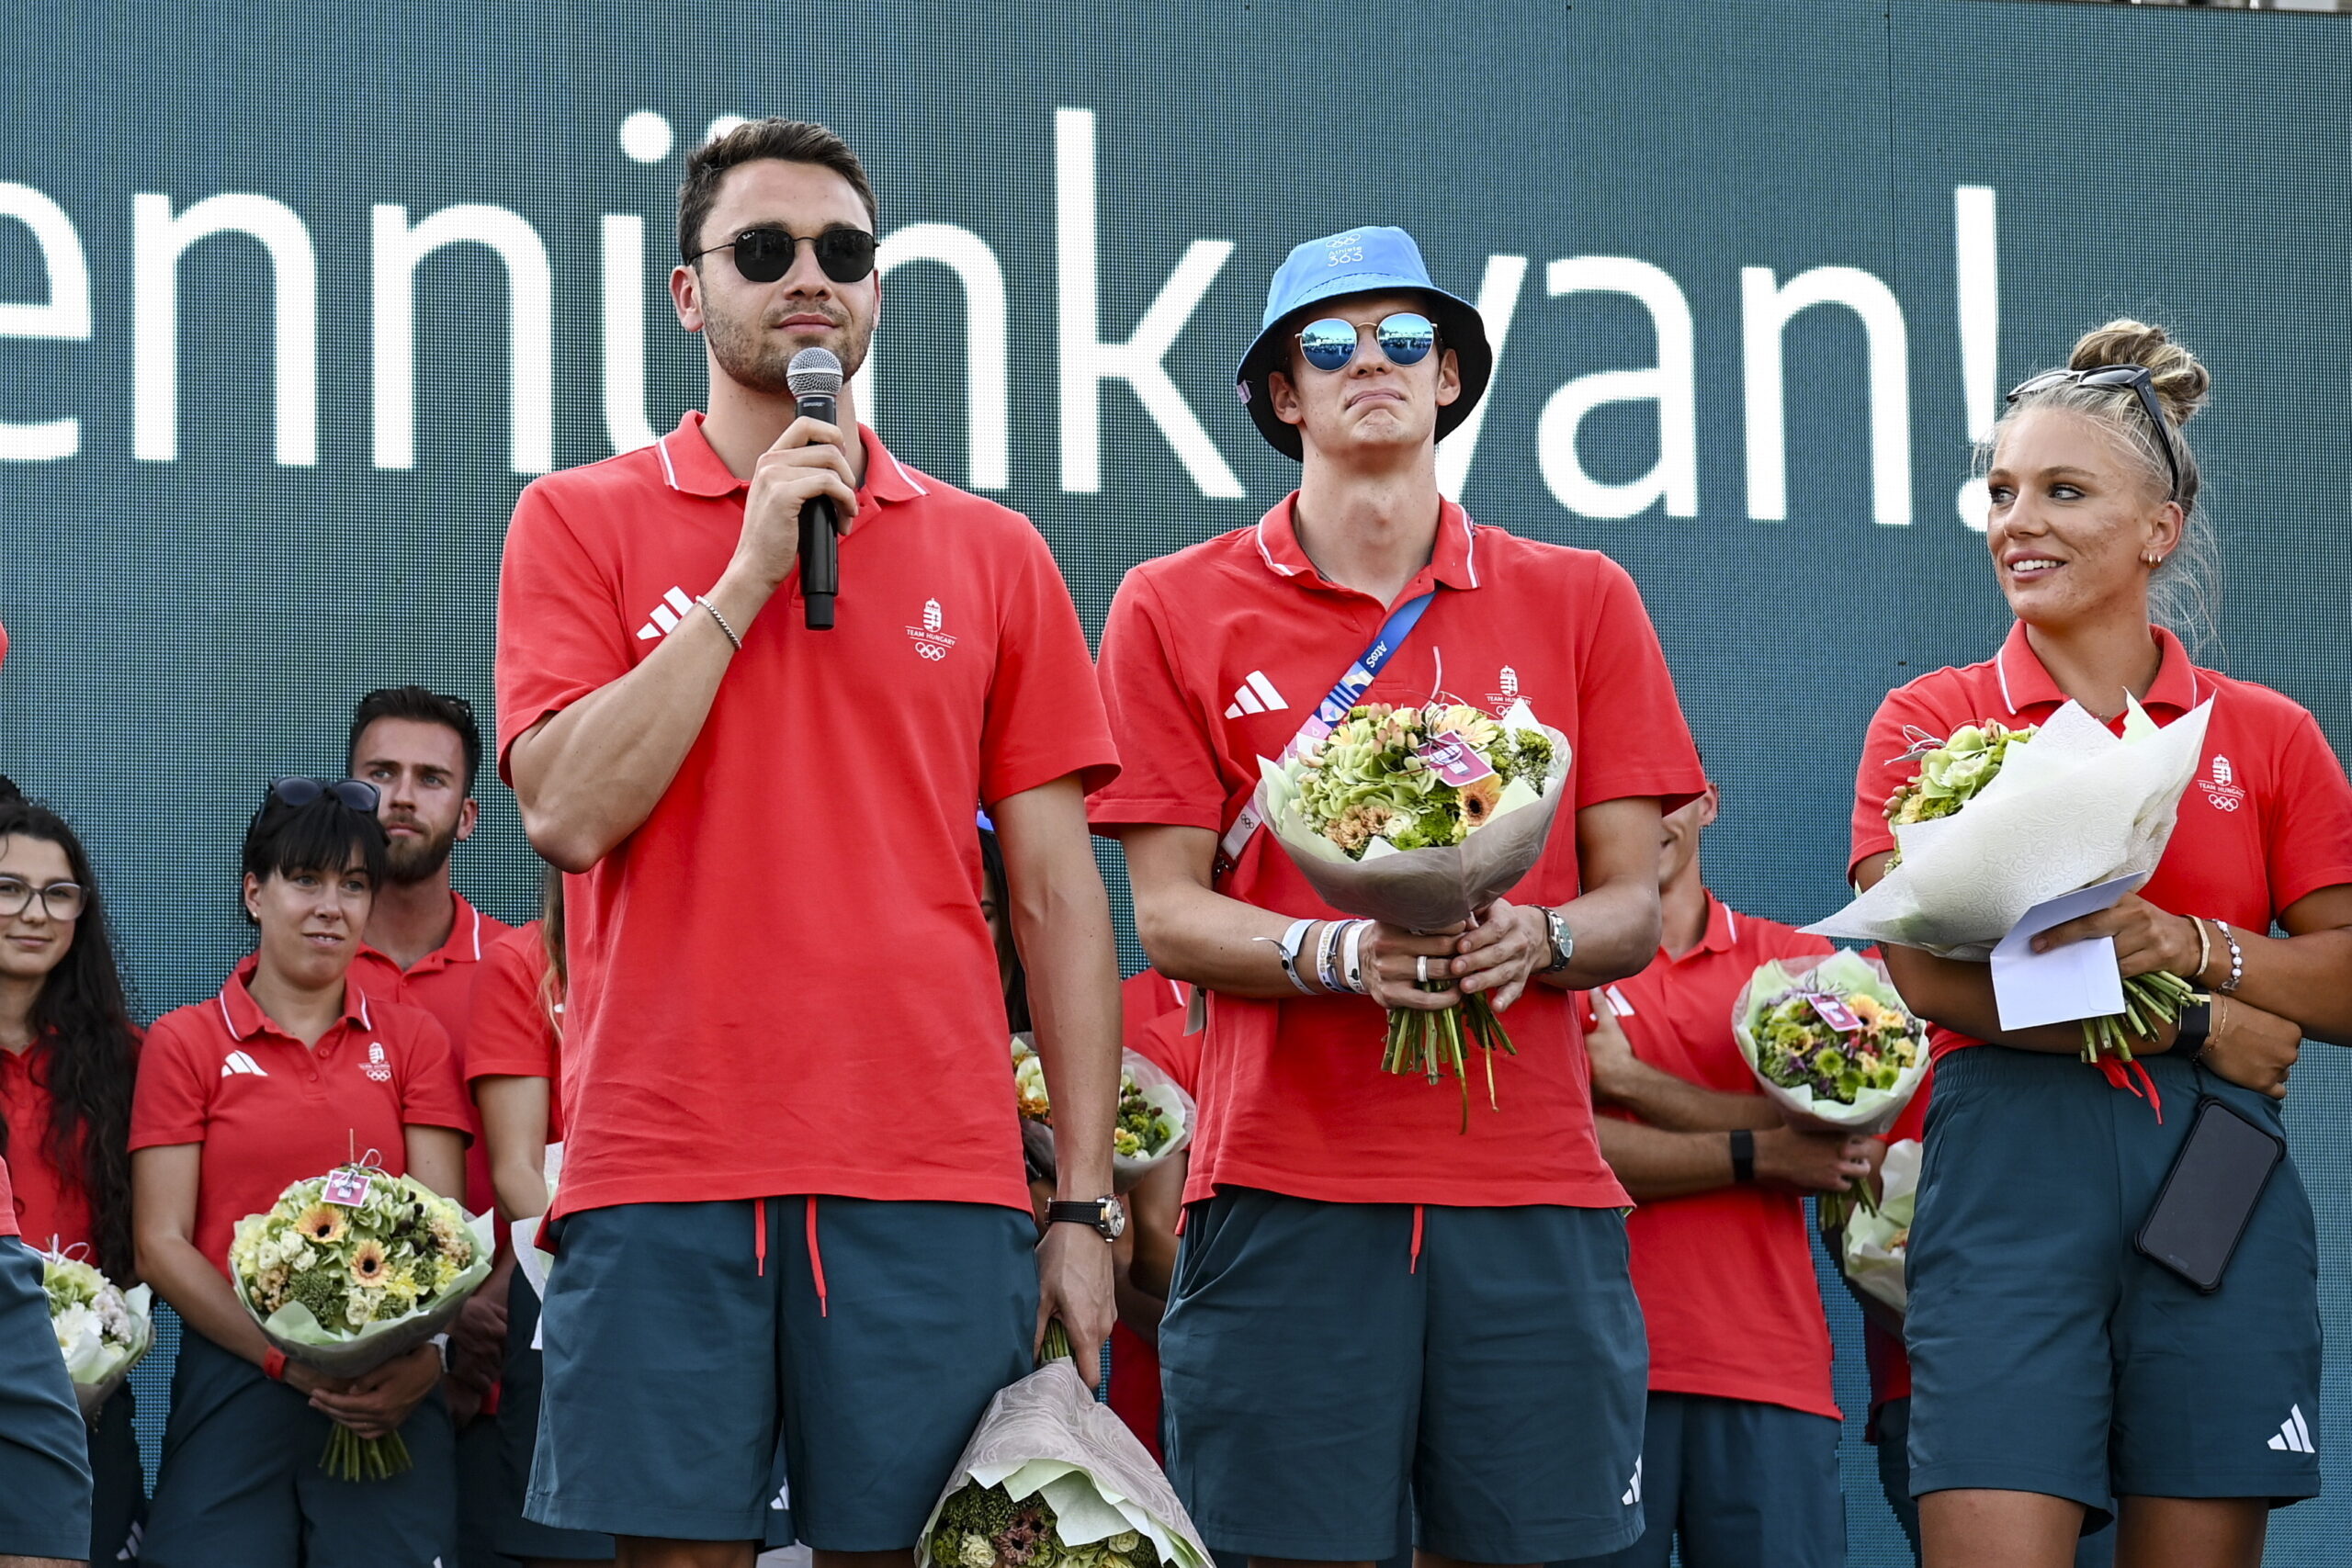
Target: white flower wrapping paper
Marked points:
1163	1091
1046	1434
1873	1260
1873	1110
2076	806
1426	890
97	1366
294	1330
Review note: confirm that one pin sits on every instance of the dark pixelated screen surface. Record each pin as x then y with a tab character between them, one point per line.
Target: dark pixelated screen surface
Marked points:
257	462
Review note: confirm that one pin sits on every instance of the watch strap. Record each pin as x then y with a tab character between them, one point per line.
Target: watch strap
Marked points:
2196	1028
273	1364
1742	1158
1091	1212
1562	940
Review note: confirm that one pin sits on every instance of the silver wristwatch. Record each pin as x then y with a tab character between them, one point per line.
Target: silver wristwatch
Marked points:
1564	942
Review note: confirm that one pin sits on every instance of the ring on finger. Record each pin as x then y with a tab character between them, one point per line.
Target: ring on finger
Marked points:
1421	968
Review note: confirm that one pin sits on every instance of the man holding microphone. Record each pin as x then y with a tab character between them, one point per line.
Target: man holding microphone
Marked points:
793	1209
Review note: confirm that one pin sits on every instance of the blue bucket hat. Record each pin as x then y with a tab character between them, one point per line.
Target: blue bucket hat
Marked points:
1338	267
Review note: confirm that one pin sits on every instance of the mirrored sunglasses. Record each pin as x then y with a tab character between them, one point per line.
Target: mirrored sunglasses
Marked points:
1406	338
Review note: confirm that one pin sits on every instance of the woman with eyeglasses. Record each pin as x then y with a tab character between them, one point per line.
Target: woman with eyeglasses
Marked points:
2053	1365
68	1057
287	1073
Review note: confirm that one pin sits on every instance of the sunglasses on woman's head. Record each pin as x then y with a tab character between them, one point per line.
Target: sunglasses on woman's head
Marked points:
301	790
1406	338
764	254
2108	377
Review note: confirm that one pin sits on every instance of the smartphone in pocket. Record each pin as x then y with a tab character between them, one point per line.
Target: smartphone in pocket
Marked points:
2209	1198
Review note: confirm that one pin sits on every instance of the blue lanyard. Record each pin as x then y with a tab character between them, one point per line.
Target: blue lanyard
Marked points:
1353	686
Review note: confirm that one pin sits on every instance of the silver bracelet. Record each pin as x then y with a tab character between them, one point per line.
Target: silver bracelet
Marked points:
2237	959
722	622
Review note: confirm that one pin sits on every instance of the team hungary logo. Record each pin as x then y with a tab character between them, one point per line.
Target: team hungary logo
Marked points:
1501	700
377	1068
930	641
2221	785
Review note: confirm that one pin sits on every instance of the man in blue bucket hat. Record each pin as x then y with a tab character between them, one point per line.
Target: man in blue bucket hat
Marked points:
1374	1303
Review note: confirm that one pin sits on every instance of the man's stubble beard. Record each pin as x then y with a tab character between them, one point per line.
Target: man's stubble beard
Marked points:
744	352
406	866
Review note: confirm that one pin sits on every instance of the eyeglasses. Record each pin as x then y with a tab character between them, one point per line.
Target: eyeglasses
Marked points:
301	790
1406	338
63	900
763	255
2108	377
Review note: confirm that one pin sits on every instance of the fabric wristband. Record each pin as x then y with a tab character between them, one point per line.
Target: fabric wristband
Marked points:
273	1364
1742	1158
1287	950
1352	965
1327	958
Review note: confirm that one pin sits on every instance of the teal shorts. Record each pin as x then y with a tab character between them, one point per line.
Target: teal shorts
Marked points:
240	1482
1320	1370
2046	1354
1735	1484
518	1439
44	1449
680	1364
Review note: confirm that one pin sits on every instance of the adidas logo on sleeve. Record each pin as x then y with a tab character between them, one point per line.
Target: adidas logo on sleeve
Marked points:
2294	1435
676	607
1257	695
237	1062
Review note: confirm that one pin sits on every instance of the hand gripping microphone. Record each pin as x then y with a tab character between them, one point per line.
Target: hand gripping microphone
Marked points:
815	377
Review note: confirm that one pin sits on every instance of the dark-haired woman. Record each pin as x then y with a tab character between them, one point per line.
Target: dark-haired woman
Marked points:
513	1044
2052	1365
285	1075
68	1056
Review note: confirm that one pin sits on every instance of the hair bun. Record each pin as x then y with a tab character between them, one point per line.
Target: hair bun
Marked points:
2182	381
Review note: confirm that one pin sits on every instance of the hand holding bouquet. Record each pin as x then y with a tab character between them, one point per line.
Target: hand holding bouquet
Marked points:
1155	1118
1421	818
1998	820
350	1270
1053	1480
102	1330
1833	1044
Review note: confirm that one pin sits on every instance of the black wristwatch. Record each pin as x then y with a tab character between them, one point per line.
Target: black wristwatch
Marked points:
1104	1214
1563	941
2195	1029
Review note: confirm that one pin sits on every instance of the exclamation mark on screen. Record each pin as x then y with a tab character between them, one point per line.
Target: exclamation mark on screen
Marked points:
1977	276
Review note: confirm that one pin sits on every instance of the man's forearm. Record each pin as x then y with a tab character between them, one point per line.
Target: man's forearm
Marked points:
1652	1163
1666	1102
588	777
1061	923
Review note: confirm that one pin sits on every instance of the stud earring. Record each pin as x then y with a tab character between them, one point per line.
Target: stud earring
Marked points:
2152	560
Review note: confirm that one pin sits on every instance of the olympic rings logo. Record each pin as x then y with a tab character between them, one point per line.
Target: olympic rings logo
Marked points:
930	652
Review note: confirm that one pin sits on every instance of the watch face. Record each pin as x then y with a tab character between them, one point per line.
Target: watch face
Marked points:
1115	1219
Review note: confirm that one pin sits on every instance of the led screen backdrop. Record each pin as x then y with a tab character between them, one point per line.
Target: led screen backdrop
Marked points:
293	302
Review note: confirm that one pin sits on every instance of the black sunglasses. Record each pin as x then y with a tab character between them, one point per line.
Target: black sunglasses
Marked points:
301	789
763	255
2108	377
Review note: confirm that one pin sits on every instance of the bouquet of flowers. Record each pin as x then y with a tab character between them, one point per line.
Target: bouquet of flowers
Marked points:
1421	817
1877	1241
350	1270
1998	820
1051	1479
102	1329
1834	1044
1155	1114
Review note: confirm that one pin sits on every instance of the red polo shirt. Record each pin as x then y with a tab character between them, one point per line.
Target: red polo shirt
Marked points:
8	1202
784	973
270	1111
512	1037
442	983
50	1206
1151	1019
2267	819
1212	658
1725	1277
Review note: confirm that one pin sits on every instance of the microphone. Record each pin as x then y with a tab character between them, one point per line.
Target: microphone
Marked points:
815	377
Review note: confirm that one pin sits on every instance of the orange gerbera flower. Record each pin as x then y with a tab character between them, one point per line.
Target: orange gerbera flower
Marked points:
323	1223
368	1264
1479	800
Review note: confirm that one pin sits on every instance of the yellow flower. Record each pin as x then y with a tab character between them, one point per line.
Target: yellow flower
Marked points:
323	1222
368	1267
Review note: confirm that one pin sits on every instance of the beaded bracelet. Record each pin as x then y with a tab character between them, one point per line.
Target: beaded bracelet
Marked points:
2237	959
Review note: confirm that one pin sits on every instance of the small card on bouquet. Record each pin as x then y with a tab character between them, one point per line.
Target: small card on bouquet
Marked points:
2078	981
1454	759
